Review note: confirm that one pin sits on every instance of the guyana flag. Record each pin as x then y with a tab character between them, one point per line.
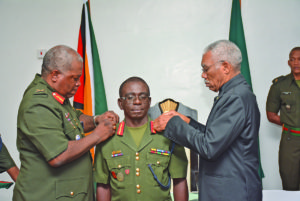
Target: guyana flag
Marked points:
90	98
4	184
236	35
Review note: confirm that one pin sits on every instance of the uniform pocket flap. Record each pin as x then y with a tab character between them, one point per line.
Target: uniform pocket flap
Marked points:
118	162
157	160
71	187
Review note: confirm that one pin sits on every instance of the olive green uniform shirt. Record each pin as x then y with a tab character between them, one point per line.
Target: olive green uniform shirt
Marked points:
6	161
284	96
46	123
129	176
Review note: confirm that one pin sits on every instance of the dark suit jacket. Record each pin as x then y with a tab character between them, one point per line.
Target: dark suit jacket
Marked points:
227	144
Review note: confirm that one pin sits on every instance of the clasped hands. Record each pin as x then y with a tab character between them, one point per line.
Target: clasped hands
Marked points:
109	117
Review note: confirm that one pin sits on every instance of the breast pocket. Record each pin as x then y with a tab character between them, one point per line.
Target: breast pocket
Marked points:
288	102
73	189
159	165
72	131
120	170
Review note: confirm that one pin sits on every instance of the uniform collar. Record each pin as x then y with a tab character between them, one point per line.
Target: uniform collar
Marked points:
291	79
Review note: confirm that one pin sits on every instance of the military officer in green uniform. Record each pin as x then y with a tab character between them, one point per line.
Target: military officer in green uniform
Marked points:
284	98
7	163
137	164
54	154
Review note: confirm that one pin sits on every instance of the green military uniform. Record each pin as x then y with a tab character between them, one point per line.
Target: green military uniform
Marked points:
284	97
123	165
6	162
46	123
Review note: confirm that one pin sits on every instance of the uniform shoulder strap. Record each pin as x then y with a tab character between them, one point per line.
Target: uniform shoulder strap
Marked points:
278	79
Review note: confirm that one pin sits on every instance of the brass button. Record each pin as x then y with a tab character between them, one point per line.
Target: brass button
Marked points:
119	166
137	153
138	186
137	174
137	169
137	158
158	162
72	193
138	191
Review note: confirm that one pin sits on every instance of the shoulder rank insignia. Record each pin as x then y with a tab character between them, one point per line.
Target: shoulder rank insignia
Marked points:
58	97
278	79
121	128
39	90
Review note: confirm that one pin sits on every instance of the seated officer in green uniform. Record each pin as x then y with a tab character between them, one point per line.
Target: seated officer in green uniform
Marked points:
284	98
55	159
7	163
136	163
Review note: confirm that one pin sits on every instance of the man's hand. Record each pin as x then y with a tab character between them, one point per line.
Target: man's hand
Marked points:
109	115
105	129
160	123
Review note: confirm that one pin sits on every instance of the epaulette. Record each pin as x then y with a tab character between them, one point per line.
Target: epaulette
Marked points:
40	93
278	79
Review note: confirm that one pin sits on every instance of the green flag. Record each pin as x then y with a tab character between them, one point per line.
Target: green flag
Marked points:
236	35
5	184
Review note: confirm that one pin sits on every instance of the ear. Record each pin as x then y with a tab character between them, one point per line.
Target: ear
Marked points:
289	63
120	103
54	75
227	68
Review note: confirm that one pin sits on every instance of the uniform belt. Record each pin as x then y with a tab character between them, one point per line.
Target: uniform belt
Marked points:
292	130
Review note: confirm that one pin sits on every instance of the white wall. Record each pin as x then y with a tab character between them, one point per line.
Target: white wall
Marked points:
159	40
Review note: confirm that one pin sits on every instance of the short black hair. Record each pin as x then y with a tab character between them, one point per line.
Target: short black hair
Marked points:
294	49
133	79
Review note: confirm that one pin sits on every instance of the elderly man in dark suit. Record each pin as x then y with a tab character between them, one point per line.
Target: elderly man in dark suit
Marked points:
228	143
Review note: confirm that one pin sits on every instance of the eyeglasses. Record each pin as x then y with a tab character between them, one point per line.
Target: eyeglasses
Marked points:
130	98
206	68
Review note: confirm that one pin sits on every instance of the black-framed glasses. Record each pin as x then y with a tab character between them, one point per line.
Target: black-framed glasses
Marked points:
130	98
206	68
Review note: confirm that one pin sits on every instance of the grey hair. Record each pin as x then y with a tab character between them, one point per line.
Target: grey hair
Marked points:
59	58
225	50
